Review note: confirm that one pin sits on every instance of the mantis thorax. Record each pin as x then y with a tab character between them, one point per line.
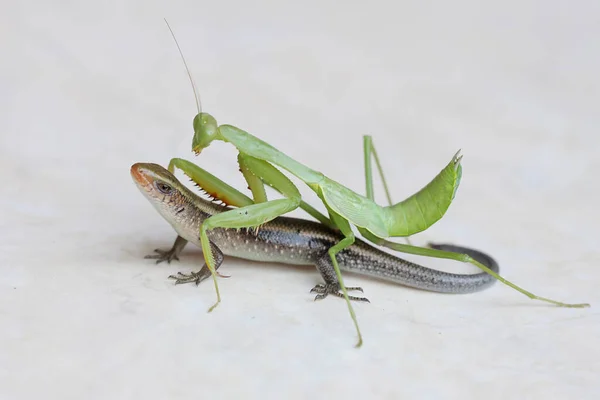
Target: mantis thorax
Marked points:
206	130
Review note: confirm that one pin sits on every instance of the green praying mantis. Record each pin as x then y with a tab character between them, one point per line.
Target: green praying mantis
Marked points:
259	163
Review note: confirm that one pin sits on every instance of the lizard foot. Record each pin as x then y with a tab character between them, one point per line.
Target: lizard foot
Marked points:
195	277
324	290
163	255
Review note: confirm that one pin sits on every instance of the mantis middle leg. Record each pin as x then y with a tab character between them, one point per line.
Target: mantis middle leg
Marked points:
333	287
254	171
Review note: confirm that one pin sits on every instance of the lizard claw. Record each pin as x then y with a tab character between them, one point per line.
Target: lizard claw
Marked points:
195	277
163	255
324	290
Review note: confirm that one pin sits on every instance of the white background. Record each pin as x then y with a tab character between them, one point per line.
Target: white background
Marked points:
89	89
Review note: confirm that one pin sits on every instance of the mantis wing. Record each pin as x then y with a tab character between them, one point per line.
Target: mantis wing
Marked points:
428	205
413	215
357	209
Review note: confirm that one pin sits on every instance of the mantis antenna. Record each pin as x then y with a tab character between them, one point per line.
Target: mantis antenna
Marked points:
198	104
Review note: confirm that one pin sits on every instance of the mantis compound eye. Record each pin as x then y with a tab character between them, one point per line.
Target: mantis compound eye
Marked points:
163	188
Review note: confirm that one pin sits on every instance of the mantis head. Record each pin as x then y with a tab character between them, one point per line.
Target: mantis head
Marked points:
205	131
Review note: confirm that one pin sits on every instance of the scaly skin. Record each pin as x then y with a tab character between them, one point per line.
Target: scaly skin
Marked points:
290	241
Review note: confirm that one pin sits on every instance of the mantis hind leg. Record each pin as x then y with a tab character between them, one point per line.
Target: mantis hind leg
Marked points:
467	258
370	154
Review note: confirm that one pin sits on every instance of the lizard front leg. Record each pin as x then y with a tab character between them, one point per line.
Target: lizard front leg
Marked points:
173	254
204	272
169	255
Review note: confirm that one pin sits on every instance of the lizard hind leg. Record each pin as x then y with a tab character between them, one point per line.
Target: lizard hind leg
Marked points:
332	284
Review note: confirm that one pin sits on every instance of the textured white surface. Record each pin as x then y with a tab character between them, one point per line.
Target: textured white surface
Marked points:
89	89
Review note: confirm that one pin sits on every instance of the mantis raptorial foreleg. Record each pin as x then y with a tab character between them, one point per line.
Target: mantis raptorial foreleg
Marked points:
255	184
257	187
214	186
220	190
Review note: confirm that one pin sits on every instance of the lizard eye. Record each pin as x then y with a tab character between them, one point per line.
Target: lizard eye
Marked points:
163	187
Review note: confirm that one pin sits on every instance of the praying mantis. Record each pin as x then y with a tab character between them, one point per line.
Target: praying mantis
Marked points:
259	163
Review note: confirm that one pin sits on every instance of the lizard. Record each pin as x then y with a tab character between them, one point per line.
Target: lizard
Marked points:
290	241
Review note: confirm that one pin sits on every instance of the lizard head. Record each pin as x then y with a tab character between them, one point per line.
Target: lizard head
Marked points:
161	188
206	130
153	178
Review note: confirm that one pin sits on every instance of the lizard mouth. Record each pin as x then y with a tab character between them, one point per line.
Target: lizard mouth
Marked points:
138	175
